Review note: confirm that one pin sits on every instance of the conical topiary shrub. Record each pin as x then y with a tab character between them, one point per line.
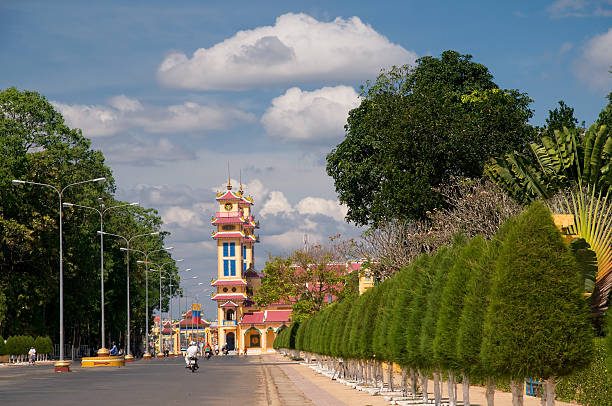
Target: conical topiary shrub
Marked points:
451	307
442	263
537	323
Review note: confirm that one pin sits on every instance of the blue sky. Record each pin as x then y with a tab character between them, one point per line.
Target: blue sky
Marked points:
269	87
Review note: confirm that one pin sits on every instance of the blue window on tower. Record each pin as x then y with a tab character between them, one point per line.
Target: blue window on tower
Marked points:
244	252
244	267
229	249
229	267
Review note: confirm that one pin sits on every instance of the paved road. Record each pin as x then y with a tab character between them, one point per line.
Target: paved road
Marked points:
220	381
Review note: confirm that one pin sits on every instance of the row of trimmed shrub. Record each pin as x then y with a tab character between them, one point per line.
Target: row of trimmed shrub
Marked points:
17	347
506	309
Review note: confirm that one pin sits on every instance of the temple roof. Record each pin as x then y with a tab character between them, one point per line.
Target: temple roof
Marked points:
229	303
196	323
253	318
278	316
229	296
229	282
229	195
228	234
267	316
229	220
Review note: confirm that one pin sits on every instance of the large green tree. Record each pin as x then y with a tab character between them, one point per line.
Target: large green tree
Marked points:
416	128
36	145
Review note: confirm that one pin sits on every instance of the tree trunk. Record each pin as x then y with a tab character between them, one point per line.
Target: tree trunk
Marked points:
490	393
517	392
548	394
390	366
413	382
404	382
451	389
437	392
466	390
424	378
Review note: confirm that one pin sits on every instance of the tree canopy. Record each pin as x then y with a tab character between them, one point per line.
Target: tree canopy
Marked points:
37	146
416	128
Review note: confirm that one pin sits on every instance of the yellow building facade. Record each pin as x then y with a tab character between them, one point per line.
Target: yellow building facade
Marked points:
241	324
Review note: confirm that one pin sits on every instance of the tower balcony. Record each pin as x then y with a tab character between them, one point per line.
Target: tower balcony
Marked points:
228	214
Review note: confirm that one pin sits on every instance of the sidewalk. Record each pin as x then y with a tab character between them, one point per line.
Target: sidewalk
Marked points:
313	384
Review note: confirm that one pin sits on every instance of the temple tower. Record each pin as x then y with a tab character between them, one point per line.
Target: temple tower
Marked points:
235	226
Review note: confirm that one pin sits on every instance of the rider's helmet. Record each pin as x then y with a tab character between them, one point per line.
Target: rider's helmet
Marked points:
192	343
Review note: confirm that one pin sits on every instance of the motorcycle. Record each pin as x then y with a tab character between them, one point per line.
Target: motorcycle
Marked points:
208	354
193	364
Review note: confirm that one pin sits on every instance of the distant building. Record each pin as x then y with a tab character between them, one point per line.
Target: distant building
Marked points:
241	324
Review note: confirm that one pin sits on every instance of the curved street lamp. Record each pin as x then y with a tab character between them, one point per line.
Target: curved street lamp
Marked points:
103	350
128	353
147	355
61	365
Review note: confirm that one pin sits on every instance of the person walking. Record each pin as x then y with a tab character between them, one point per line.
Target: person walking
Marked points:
32	355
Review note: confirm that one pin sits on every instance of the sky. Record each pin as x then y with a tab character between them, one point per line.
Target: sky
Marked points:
173	92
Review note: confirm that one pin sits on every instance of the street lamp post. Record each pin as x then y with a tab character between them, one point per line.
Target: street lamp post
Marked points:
160	293
172	353
128	353
61	365
147	355
103	351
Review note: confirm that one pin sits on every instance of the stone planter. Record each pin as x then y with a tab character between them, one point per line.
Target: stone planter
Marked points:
4	359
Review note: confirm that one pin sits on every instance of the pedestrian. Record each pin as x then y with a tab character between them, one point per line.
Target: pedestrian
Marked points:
245	350
32	355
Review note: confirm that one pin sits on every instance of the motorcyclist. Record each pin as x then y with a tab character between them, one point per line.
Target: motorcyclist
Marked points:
208	350
192	351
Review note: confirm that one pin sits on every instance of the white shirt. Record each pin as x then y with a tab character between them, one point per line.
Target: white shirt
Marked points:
32	351
192	351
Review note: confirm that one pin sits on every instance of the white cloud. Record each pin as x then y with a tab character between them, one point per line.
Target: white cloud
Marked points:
145	152
276	204
124	103
95	121
123	113
303	115
318	205
297	48
181	216
594	65
291	240
567	8
580	8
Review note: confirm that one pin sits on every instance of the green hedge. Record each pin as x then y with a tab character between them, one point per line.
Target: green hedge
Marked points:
591	386
20	345
2	346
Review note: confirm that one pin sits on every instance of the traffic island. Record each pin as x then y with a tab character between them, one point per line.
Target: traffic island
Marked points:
62	366
102	361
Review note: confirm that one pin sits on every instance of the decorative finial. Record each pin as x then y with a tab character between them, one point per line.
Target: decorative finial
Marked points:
240	180
229	185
